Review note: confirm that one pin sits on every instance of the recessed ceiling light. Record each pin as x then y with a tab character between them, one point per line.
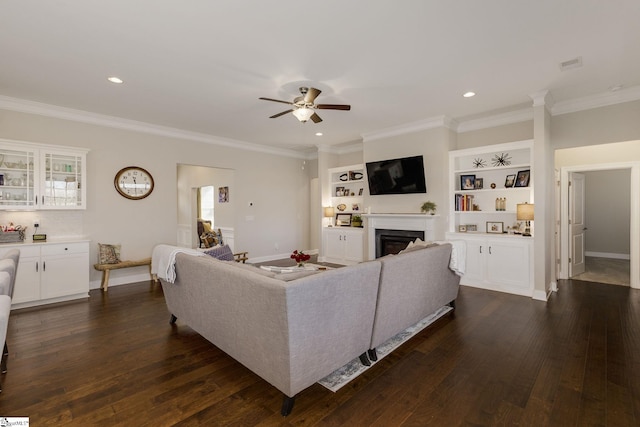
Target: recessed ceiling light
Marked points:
318	133
469	94
114	79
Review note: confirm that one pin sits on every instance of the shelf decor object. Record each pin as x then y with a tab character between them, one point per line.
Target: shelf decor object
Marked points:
502	159
524	212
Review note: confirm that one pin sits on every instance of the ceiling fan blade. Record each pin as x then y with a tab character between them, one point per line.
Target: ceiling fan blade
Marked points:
276	100
281	114
311	95
333	107
316	118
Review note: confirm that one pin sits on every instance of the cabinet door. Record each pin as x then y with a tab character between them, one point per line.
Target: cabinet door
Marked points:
508	264
64	275
17	178
27	286
476	251
334	247
62	184
353	245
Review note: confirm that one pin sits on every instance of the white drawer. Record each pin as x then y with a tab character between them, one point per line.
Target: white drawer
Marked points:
64	249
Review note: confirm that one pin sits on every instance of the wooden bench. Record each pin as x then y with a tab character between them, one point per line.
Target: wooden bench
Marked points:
106	268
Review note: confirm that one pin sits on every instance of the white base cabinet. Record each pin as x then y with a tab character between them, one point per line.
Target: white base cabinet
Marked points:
343	245
499	263
50	272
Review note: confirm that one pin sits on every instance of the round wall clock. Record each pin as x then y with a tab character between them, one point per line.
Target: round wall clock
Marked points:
133	182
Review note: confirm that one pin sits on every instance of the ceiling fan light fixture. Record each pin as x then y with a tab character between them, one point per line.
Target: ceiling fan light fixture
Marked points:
303	114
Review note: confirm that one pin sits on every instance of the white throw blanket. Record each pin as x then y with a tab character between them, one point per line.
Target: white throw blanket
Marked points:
458	260
163	260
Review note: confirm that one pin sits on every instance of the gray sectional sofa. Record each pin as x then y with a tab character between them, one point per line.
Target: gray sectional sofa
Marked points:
294	330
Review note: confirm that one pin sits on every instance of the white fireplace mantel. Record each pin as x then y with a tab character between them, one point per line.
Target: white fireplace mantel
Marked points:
397	221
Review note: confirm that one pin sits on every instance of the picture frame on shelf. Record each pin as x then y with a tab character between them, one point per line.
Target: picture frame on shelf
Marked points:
510	180
479	183
467	182
343	220
462	229
339	191
522	180
495	227
472	227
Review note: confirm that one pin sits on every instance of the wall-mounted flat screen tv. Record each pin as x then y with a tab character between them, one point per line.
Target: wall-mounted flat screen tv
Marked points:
396	176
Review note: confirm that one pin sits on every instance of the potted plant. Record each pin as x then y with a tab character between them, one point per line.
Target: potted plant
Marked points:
428	207
356	221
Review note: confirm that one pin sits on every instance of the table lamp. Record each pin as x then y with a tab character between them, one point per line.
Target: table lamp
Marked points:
524	212
328	213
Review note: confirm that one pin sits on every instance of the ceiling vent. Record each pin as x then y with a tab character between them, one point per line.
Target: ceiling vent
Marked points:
572	63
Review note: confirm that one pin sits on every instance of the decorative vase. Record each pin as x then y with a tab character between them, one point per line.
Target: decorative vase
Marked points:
301	265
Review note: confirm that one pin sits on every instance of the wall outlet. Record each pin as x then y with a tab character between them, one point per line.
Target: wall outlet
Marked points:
36	224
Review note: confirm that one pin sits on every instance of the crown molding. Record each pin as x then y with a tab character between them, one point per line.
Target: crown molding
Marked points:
600	100
516	116
542	98
47	110
431	123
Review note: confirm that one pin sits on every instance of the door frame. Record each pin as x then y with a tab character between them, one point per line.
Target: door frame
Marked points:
634	226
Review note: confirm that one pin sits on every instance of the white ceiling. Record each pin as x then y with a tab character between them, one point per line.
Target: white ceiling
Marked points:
201	65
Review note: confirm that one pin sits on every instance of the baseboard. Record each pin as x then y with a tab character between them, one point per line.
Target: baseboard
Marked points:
607	255
541	295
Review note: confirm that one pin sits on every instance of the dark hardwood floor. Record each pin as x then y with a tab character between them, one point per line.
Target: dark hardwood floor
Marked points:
499	360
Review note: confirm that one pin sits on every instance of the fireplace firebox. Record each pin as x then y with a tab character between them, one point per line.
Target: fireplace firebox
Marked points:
393	241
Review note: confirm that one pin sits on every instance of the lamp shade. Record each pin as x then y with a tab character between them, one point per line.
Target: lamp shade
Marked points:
303	114
329	212
524	212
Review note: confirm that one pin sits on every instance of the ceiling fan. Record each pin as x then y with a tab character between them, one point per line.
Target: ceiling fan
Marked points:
303	105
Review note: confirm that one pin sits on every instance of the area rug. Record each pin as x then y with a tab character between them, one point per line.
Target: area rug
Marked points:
341	377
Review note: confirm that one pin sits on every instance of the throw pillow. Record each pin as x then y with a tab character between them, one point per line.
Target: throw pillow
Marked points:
209	240
221	252
108	254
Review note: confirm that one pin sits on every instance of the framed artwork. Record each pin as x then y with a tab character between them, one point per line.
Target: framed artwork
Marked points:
343	219
522	179
339	191
223	194
479	183
467	182
462	229
495	227
510	180
472	227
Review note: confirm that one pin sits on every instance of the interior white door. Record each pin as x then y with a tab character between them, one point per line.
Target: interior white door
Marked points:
576	223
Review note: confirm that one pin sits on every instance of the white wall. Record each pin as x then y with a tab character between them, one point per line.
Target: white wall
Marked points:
277	186
607	212
434	146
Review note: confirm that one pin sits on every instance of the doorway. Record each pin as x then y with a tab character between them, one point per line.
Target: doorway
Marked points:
198	191
599	241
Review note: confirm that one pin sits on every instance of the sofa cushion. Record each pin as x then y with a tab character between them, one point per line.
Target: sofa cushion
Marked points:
223	253
418	244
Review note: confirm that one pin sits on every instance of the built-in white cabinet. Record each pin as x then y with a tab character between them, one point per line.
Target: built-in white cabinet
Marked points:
343	245
500	263
485	186
36	176
487	183
347	188
50	272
